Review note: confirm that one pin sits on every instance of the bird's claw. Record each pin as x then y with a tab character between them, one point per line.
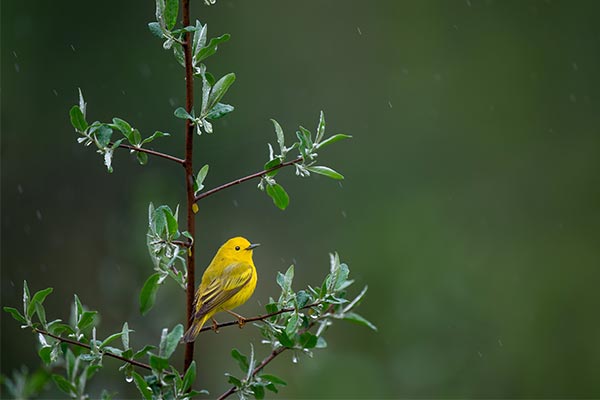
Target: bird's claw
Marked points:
215	325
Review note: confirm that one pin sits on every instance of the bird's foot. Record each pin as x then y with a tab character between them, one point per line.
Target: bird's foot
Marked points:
241	320
215	325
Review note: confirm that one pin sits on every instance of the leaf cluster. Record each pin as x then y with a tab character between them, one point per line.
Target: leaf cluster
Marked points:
307	147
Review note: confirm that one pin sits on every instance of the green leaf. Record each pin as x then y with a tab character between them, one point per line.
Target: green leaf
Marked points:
111	338
328	172
87	318
272	164
219	90
155	135
172	340
158	363
39	297
41	313
233	380
279	196
302	298
189	377
332	139
15	314
219	110
125	335
142	352
45	353
273	379
125	129
284	339
181	112
172	224
78	307
171	12
155	29
142	157
241	359
77	119
359	319
308	340
142	386
137	136
148	293
292	325
200	178
103	135
210	48
280	136
64	384
259	392
320	128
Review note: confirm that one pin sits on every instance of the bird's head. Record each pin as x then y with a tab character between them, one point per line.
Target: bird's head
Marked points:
238	248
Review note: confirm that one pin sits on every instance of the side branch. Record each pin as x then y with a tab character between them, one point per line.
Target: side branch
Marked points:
257	318
87	346
244	179
152	152
256	370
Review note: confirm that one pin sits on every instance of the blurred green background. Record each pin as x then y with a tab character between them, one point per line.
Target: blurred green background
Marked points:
470	205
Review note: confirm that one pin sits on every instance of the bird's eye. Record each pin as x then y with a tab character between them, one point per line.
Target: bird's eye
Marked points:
237	248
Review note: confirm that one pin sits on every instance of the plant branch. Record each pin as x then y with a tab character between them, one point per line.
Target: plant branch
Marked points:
152	152
189	180
244	179
258	318
87	346
256	370
276	351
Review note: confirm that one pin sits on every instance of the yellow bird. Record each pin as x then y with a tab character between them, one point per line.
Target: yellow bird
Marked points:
228	282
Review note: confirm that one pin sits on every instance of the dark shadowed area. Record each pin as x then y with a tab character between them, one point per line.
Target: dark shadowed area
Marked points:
471	204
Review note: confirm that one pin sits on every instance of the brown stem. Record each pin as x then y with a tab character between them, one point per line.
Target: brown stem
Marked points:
257	318
189	179
152	152
244	179
87	346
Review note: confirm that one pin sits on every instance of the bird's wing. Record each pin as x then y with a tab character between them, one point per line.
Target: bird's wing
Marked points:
223	287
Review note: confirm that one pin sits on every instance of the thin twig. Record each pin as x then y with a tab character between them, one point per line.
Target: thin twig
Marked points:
244	179
257	318
152	152
189	180
87	346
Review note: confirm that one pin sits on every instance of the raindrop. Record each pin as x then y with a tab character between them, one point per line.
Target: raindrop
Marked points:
12	283
573	98
235	203
72	47
344	214
129	378
20	188
437	77
294	261
469	3
405	71
575	66
123	92
500	343
27	229
38	214
340	183
15	54
359	31
479	354
17	68
172	102
55	92
390	104
295	359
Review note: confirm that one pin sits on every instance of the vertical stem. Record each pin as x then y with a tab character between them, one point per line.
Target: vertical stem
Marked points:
189	178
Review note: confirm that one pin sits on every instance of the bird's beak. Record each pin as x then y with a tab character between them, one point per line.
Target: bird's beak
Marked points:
253	246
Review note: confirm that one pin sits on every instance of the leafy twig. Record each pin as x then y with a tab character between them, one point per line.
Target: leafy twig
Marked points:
152	152
259	317
87	346
246	178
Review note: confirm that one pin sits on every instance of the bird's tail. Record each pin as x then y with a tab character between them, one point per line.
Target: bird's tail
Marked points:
194	330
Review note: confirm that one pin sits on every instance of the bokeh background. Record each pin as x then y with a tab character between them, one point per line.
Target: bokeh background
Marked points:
470	206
